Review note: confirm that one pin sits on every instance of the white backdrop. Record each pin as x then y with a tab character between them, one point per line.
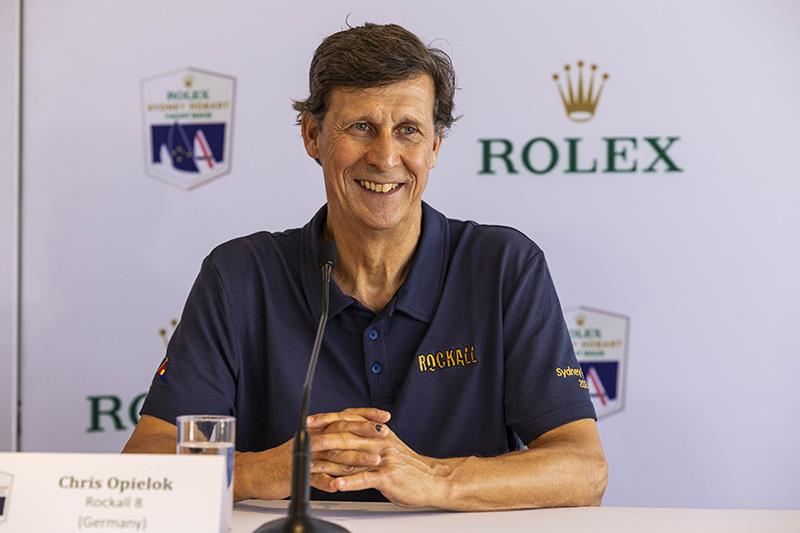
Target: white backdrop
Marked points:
703	261
9	157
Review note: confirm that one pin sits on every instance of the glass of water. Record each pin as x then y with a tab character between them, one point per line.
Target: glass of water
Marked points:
210	435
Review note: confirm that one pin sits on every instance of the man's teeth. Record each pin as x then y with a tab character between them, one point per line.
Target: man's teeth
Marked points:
378	187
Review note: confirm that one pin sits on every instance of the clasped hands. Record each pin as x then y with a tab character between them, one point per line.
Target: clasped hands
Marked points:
355	449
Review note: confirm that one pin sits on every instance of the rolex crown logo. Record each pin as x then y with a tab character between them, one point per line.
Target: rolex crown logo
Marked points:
188	80
580	320
580	101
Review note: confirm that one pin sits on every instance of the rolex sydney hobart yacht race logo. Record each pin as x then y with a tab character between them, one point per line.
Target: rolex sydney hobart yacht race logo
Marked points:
600	341
188	117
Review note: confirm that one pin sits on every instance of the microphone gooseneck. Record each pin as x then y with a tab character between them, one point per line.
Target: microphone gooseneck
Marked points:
299	519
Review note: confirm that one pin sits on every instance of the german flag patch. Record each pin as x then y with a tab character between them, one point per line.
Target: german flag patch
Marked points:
162	369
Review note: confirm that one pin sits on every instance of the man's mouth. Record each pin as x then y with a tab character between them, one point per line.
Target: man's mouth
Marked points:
379	187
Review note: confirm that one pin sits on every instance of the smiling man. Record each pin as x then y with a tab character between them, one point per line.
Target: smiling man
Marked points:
444	338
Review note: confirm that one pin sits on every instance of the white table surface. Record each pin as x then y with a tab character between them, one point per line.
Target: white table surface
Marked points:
357	517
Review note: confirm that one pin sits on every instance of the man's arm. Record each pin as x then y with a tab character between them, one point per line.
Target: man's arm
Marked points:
565	467
152	435
267	474
562	468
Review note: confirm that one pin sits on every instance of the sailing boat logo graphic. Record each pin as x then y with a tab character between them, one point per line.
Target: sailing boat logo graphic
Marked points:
197	148
188	119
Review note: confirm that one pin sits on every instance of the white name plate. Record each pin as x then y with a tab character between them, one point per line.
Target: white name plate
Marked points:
65	492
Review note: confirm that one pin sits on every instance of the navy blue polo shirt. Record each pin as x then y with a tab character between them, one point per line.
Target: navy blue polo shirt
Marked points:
465	355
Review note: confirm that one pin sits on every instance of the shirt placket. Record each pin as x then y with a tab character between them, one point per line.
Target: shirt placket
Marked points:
377	365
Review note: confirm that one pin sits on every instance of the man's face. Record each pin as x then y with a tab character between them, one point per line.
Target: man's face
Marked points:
376	147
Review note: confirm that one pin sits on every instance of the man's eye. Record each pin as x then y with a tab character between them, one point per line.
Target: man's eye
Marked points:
409	130
360	126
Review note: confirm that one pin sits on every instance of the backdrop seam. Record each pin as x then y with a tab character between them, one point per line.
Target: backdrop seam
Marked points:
17	328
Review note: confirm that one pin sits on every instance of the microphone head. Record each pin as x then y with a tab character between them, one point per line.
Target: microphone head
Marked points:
327	253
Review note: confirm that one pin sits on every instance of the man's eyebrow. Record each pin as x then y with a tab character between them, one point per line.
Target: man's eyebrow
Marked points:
361	118
404	119
410	119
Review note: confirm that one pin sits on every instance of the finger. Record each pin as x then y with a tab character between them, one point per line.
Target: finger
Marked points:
359	413
370	413
323	482
349	457
321	421
361	428
335	469
321	442
369	479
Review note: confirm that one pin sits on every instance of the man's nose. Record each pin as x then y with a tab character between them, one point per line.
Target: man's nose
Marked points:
383	152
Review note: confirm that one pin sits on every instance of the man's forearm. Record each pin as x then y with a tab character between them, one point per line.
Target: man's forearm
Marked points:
267	474
243	480
563	467
264	475
150	443
544	477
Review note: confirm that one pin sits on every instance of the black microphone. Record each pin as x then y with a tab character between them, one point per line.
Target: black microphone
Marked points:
299	519
327	254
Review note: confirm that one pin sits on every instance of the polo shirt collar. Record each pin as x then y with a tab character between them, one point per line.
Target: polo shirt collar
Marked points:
419	293
312	273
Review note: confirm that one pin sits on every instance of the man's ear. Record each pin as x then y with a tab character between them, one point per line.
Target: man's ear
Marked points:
309	126
437	143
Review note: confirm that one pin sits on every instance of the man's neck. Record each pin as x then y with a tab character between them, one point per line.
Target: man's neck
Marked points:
373	264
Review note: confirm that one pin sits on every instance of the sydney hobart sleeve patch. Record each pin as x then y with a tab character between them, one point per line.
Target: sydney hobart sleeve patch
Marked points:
572	373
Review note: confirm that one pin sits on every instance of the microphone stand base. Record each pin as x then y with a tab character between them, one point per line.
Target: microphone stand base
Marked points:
300	525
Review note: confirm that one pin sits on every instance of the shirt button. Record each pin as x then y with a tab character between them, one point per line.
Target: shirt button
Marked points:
373	335
376	367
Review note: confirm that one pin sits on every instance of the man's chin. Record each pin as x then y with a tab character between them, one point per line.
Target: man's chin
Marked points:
384	216
384	219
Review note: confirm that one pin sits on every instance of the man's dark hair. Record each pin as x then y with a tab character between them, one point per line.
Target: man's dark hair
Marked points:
375	55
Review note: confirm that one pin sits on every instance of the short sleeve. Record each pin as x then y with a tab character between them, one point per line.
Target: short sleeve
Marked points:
197	375
545	387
